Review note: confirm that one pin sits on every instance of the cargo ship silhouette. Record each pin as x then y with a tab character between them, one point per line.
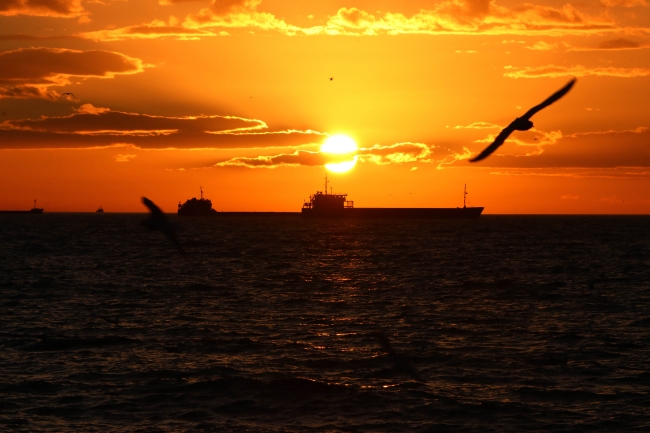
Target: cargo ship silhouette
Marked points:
324	205
34	210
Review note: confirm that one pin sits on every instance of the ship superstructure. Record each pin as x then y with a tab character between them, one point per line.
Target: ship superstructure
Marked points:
326	204
196	207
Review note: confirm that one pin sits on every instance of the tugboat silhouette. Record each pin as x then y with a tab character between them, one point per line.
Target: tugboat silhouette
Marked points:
194	207
34	210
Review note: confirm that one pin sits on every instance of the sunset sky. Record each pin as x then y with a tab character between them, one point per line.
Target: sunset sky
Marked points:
105	101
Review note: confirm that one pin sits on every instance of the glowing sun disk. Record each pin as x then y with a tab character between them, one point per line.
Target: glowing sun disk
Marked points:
339	144
342	167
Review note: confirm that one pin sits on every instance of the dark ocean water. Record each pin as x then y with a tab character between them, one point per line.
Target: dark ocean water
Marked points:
504	324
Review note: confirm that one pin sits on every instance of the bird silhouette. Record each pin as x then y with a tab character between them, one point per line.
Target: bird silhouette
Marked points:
331	78
522	123
68	94
158	221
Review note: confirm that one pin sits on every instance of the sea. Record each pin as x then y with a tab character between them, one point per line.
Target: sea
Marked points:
517	323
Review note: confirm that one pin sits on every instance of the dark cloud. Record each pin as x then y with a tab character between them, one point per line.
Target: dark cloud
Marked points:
30	72
619	44
23	37
99	127
223	7
623	3
46	8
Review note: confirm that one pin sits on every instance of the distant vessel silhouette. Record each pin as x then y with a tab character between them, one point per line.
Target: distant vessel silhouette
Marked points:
324	205
100	210
194	207
34	210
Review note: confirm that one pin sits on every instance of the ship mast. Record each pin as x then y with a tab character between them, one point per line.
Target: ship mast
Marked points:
464	196
201	188
325	183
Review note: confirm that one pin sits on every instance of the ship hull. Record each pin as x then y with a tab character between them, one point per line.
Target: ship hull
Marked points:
377	212
32	211
211	213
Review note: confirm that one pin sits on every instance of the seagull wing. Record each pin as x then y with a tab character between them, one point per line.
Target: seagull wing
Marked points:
501	138
503	135
155	210
554	97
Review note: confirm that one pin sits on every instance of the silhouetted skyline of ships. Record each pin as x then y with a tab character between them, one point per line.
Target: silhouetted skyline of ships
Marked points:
324	205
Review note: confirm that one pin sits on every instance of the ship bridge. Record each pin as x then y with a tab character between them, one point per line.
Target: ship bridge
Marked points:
324	202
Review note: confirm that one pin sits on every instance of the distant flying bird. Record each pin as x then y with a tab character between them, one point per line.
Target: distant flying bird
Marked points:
522	123
68	93
158	221
331	78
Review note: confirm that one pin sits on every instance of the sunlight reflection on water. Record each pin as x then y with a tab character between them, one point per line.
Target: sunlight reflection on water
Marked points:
269	324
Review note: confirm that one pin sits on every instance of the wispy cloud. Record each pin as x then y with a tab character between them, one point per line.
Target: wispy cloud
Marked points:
479	125
454	157
579	173
153	30
553	71
398	153
31	72
299	157
123	157
542	46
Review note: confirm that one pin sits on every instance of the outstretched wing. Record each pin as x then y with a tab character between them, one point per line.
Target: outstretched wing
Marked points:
554	97
155	210
501	138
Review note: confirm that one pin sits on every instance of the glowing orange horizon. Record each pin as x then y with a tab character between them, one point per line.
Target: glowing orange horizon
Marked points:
245	98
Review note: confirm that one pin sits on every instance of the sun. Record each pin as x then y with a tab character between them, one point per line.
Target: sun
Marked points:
344	147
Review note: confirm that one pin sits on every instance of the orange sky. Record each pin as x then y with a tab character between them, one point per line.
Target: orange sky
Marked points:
235	96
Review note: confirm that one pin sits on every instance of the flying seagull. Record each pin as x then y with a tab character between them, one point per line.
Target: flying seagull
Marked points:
68	93
522	123
331	78
158	221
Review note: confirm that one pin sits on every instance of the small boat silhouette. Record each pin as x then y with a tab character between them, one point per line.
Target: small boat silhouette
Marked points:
34	210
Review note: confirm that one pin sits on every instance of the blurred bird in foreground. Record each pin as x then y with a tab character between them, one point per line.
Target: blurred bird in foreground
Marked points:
522	123
158	221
